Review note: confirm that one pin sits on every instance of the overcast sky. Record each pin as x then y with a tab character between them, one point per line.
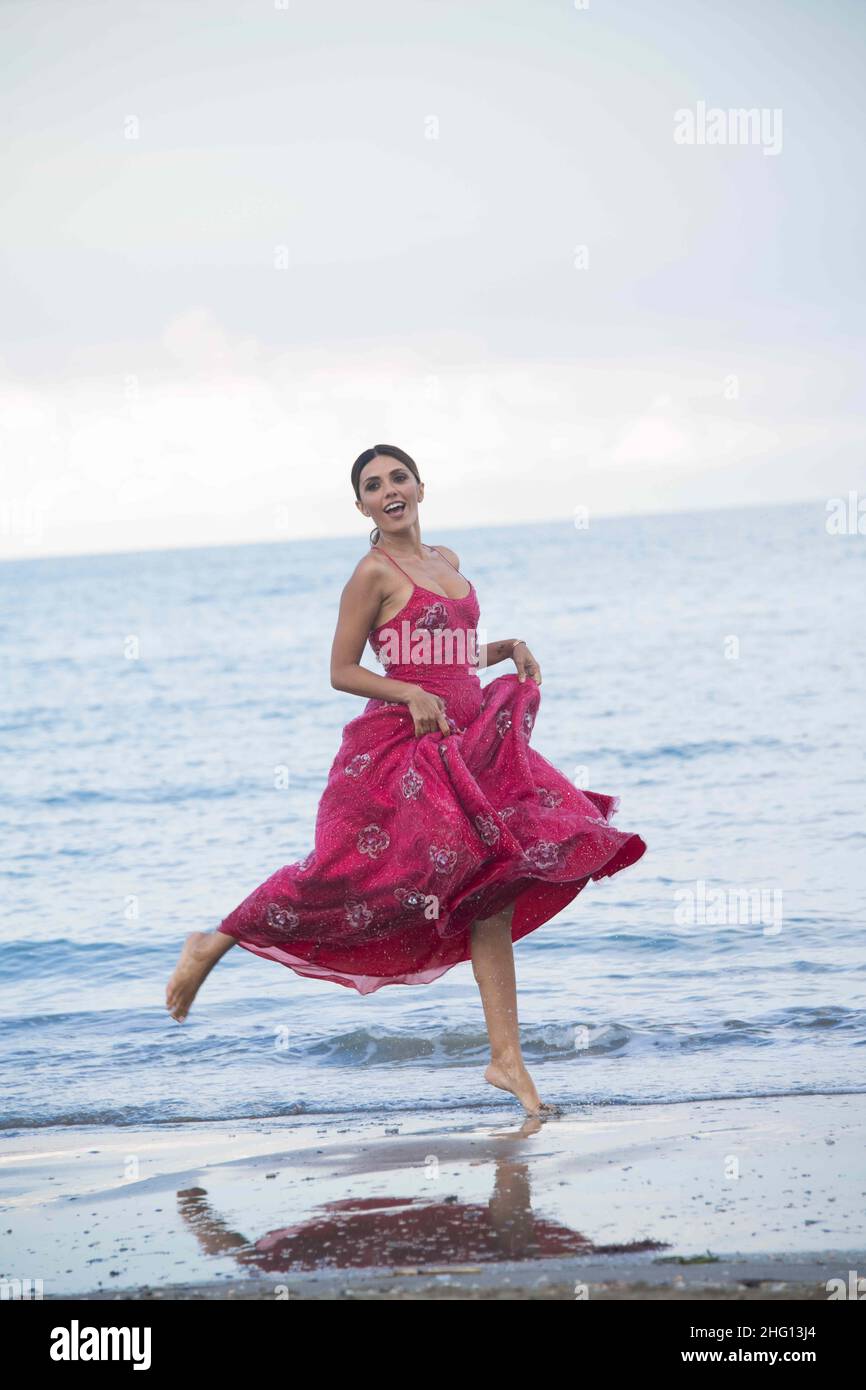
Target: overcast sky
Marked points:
244	241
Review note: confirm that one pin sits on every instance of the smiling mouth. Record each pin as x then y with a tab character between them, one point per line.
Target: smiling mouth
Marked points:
395	509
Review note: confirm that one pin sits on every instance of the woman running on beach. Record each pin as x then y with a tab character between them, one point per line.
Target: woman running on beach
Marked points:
442	835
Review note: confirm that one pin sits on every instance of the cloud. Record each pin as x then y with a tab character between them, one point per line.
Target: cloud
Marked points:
198	342
223	440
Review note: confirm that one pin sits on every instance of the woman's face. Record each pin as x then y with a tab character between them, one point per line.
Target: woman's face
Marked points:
390	494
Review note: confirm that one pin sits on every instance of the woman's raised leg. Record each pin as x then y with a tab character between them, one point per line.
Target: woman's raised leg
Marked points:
200	953
493	967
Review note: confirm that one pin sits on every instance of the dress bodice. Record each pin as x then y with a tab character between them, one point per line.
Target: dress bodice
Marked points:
431	635
431	632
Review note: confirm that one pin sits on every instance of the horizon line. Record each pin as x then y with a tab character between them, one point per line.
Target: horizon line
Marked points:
347	535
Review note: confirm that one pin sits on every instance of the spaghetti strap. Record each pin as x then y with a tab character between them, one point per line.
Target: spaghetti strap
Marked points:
453	566
382	551
445	557
413	582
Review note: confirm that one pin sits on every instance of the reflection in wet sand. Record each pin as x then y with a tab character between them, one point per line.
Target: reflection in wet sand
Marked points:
373	1232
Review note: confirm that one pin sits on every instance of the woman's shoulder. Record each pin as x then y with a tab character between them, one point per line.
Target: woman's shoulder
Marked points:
373	564
369	576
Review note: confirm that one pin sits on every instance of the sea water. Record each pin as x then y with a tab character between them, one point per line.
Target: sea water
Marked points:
167	729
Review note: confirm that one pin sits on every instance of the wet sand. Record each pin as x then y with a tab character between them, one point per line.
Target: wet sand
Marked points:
743	1199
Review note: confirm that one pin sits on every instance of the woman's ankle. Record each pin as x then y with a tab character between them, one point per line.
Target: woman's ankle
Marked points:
507	1057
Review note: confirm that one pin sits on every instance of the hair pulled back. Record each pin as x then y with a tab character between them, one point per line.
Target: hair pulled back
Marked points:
380	451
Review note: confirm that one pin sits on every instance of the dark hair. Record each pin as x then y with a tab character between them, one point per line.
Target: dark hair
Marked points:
379	451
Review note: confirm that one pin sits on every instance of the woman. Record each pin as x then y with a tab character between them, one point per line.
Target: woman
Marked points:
441	835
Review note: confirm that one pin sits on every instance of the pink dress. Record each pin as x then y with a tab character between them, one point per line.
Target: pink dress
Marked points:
417	838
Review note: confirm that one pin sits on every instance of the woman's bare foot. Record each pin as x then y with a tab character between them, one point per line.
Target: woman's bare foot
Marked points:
199	954
512	1076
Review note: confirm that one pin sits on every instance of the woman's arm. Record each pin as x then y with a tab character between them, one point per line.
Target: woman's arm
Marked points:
516	648
359	604
360	601
493	652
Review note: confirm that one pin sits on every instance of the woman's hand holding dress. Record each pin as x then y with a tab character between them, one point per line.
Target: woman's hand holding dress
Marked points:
525	662
428	712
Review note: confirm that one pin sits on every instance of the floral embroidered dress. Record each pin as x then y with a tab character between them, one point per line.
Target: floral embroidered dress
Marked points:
417	838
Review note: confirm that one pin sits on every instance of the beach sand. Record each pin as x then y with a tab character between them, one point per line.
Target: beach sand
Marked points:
739	1199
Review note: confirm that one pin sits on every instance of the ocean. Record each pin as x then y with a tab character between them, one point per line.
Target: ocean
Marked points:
168	725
